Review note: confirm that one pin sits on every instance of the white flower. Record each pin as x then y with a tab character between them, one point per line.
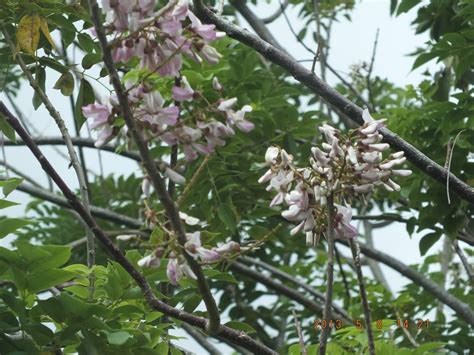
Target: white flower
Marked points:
191	221
174	176
272	154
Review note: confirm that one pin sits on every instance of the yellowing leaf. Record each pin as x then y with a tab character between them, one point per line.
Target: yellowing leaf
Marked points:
28	33
45	30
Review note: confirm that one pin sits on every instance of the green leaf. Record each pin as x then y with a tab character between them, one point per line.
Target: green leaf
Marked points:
112	285
86	42
227	216
41	280
406	5
6	204
240	326
65	83
393	6
7	130
53	308
40	78
9	185
426	347
422	59
90	59
8	226
427	241
117	338
85	97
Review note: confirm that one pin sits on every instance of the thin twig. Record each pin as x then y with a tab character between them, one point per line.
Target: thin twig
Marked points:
363	295
80	174
330	275
201	339
343	275
155	177
192	181
277	13
448	161
464	261
369	73
295	280
300	334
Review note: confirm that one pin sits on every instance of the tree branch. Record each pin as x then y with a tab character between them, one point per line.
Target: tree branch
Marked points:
363	295
155	177
77	141
463	310
330	275
293	279
237	337
280	288
98	212
319	87
201	339
277	13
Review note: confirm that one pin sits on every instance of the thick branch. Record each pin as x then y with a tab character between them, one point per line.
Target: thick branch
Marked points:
77	141
319	87
280	288
237	337
98	212
155	177
462	309
291	278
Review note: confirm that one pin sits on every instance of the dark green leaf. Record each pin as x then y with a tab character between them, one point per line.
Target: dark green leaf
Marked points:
40	78
84	97
90	59
7	130
227	216
8	226
427	241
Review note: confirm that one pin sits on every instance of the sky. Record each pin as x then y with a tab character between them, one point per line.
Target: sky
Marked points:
351	43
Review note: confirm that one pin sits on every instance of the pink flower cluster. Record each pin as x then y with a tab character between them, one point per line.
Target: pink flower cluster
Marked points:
177	265
159	42
344	166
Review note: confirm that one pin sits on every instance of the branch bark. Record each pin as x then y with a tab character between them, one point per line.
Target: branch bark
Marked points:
291	278
236	337
77	141
155	177
319	87
281	289
462	309
330	275
363	295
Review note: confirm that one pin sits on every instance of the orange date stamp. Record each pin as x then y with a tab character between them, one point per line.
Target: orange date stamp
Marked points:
320	324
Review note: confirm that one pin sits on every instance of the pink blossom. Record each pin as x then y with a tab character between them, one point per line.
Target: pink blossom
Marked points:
343	228
205	31
183	93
